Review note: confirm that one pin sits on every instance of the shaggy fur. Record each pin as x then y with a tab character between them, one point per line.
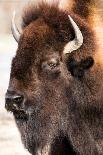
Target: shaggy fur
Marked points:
84	8
63	93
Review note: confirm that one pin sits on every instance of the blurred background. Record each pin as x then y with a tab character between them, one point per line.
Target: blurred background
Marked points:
10	142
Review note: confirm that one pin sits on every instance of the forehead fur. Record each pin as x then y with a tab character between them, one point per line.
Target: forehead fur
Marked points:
51	14
54	17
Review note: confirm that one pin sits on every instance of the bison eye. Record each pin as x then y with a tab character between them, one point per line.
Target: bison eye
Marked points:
51	65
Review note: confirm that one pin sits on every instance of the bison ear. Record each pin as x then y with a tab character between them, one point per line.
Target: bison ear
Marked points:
78	40
14	29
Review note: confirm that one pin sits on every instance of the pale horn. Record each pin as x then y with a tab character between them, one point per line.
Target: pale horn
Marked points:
78	40
14	29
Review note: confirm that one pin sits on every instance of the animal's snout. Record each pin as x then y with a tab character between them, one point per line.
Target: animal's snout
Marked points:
13	101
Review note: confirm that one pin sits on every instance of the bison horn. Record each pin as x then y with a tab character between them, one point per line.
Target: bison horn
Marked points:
14	29
77	42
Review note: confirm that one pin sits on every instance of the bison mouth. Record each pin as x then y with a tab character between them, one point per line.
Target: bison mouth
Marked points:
19	113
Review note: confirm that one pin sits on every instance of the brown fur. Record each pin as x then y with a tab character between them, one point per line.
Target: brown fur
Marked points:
65	111
84	8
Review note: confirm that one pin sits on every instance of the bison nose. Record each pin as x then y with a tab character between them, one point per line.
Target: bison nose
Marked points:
13	101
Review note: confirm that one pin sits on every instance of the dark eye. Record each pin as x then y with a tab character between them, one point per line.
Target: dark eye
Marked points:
51	65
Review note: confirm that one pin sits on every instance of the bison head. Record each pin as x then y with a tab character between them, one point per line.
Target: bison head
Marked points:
43	94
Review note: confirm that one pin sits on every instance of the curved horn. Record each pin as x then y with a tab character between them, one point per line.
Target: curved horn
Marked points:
77	42
14	29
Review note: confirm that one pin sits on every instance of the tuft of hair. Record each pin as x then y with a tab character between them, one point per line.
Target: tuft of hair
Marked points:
42	9
56	18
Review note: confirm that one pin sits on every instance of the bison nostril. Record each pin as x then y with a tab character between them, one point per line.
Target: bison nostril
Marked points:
13	101
18	99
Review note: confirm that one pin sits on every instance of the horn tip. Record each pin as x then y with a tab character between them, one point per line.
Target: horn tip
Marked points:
14	13
70	18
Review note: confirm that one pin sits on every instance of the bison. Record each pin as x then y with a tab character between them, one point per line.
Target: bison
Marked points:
56	82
